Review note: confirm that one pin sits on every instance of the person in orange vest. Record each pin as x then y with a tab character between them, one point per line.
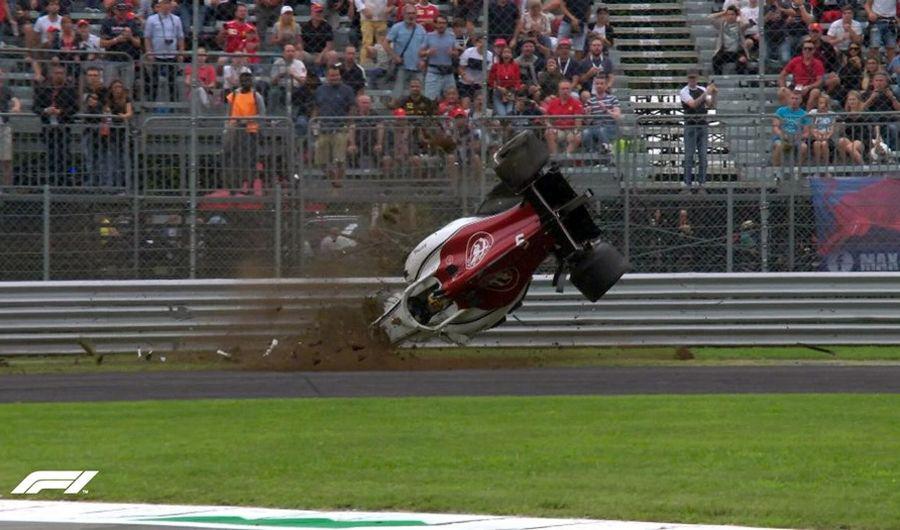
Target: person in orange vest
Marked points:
244	108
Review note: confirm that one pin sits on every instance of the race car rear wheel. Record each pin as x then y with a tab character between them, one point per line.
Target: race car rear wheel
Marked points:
595	271
520	160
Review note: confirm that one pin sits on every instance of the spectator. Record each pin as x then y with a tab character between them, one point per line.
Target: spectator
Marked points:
749	19
822	130
505	80
416	105
596	64
785	26
8	104
373	19
869	72
118	104
467	11
503	22
334	9
286	30
66	39
466	152
233	35
603	29
426	14
606	114
56	102
731	48
164	40
846	31
807	72
567	66
882	15
894	72
303	104
471	68
880	99
439	51
403	43
835	90
333	100
462	35
94	139
352	74
206	78
576	14
824	52
563	129
856	137
87	41
851	70
267	12
791	129
382	61
696	101
288	72
93	84
450	102
47	23
121	34
536	25
231	74
549	80
530	65
244	107
365	136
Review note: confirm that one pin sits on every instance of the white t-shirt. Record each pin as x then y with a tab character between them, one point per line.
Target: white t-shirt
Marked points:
231	76
43	24
885	8
296	71
836	30
751	14
476	76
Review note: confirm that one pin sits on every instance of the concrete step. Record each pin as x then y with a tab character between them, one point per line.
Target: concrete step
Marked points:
661	6
647	19
658	67
674	54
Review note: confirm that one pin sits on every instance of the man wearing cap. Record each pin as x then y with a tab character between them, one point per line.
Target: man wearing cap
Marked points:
504	22
372	19
403	43
121	33
808	73
568	66
695	103
845	30
233	34
530	63
882	15
439	52
163	38
267	12
824	52
576	14
317	36
87	41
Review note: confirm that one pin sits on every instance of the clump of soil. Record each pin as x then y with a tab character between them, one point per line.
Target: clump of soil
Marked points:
684	354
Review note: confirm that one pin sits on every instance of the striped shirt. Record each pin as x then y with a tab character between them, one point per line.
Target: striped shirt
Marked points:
600	107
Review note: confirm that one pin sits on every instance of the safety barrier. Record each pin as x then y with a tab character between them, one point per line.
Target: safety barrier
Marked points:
643	309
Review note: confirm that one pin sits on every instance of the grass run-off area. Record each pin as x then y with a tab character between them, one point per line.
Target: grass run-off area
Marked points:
535	357
798	461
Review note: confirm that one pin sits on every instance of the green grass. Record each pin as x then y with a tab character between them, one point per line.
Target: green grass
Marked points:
637	356
802	461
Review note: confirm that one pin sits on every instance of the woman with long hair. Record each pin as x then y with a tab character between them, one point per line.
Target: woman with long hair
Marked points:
118	105
505	80
873	66
857	134
285	30
851	70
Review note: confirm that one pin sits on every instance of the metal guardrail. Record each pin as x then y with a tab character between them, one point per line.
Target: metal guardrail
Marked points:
643	309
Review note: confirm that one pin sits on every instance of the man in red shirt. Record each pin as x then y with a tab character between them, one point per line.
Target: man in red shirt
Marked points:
233	35
426	12
563	129
808	73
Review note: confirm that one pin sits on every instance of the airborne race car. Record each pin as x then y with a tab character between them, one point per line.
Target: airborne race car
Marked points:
466	277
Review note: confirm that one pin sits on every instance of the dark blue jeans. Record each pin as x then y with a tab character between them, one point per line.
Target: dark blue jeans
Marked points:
696	140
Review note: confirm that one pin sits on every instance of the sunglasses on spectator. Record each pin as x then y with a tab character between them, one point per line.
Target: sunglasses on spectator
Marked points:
809	48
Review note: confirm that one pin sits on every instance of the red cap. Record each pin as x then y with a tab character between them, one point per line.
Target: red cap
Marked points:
565	42
458	112
500	43
400	112
51	29
83	22
815	27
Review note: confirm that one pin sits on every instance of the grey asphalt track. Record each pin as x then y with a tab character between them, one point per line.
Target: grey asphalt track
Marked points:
510	382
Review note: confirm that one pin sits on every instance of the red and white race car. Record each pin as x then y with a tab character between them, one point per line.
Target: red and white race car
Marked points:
469	275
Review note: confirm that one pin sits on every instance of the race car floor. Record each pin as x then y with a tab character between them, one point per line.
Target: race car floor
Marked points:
512	382
39	515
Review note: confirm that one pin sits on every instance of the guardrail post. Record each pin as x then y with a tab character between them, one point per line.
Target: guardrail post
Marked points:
46	246
278	199
763	230
729	229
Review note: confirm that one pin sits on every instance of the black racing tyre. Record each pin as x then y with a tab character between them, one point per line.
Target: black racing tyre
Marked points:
595	271
520	160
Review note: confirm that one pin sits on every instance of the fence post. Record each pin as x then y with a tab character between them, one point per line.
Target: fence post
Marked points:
763	230
278	199
792	232
46	246
729	229
136	227
626	212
